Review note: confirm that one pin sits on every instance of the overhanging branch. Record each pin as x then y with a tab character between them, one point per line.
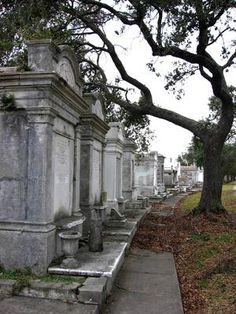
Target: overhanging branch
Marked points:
230	61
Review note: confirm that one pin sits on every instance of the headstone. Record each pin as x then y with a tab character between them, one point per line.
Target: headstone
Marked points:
40	155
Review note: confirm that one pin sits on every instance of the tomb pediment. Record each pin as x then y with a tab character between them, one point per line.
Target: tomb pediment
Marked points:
96	105
45	56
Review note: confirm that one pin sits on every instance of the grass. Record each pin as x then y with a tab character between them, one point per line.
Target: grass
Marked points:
24	277
228	198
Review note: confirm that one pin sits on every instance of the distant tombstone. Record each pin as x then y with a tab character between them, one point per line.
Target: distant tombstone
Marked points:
40	156
113	161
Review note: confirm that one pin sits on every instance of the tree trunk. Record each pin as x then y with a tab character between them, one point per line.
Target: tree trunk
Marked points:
210	202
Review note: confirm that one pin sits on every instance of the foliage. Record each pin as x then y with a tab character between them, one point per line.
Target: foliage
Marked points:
194	153
229	160
8	101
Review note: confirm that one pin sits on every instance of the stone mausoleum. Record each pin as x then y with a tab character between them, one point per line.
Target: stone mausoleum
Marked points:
149	174
59	158
40	140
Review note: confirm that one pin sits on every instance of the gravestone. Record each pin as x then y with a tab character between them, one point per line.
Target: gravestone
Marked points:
93	131
40	155
113	161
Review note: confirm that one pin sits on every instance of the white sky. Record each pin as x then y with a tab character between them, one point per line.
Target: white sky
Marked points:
171	140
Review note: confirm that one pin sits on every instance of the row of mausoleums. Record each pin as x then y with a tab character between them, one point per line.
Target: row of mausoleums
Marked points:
60	159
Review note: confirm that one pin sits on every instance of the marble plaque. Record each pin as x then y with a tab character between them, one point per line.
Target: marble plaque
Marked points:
118	177
96	175
63	175
13	165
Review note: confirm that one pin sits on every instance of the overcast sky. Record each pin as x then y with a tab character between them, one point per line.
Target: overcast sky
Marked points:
171	140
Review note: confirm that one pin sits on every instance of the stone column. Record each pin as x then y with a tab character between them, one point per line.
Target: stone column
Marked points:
27	232
128	170
76	180
93	130
113	159
160	174
40	176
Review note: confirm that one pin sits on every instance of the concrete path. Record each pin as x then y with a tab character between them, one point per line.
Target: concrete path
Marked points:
147	284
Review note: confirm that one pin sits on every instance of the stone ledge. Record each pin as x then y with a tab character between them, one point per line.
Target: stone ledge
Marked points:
41	290
92	294
7	287
53	291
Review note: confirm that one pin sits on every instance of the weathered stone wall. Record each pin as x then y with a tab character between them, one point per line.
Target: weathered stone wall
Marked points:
40	155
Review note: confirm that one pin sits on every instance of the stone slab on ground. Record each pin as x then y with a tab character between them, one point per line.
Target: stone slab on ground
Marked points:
95	264
147	283
23	305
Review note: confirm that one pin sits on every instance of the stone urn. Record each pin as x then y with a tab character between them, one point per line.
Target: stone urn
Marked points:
70	242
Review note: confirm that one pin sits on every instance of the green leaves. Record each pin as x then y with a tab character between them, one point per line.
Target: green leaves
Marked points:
8	102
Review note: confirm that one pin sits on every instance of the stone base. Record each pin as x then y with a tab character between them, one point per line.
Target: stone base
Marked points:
27	246
118	232
96	264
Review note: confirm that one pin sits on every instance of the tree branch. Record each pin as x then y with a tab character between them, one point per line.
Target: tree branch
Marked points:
93	46
204	74
120	67
158	112
121	15
159	27
230	61
216	38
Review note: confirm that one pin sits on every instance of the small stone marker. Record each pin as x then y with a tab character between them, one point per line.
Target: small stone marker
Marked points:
95	235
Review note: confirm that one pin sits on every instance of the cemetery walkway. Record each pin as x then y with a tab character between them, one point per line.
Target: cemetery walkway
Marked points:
147	282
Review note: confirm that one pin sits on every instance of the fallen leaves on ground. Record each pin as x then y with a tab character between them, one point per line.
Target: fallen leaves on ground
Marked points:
202	249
